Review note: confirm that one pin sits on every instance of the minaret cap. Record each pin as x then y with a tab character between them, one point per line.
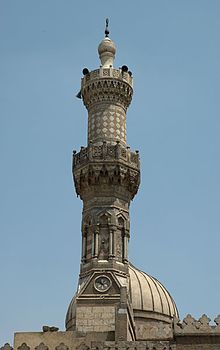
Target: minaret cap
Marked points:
107	50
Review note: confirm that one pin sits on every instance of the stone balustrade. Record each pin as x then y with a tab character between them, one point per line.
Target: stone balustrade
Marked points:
107	73
106	152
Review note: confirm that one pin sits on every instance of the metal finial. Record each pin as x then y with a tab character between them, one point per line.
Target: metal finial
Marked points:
106	28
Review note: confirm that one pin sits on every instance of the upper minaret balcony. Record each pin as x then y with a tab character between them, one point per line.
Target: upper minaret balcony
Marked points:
107	93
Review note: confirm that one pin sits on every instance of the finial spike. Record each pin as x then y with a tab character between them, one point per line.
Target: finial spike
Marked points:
106	28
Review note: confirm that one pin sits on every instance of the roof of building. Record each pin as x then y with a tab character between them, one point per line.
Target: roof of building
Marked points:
148	294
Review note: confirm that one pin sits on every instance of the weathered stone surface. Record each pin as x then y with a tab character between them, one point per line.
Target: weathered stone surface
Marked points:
191	326
61	346
95	319
154	330
41	346
7	346
115	89
23	346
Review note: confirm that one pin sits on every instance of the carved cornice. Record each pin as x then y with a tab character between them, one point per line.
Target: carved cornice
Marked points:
104	179
106	89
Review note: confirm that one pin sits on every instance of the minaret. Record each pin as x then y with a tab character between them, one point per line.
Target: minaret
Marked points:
106	173
106	176
114	300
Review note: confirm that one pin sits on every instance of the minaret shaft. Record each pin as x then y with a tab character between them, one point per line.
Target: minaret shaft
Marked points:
106	173
107	121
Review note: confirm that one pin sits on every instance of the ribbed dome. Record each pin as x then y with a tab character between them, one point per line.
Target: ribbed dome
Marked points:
149	295
149	299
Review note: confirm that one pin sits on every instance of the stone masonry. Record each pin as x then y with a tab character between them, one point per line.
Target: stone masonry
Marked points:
116	306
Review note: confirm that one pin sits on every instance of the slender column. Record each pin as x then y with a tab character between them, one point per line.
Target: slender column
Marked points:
96	242
111	242
125	245
84	243
93	243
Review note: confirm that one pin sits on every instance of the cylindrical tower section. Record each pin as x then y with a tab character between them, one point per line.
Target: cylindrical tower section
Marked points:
107	93
106	173
107	122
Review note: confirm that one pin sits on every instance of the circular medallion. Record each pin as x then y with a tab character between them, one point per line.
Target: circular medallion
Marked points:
102	283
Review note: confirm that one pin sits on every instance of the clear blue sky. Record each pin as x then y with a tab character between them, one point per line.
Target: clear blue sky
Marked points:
173	50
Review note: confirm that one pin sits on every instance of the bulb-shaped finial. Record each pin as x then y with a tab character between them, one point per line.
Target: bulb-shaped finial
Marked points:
107	49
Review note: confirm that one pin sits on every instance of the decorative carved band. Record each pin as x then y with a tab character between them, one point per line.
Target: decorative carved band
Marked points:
106	174
107	90
107	73
106	165
106	152
129	345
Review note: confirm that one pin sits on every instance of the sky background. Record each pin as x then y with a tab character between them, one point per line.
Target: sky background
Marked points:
173	49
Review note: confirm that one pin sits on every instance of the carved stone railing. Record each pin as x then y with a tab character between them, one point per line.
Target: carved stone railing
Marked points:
107	73
112	165
190	326
106	152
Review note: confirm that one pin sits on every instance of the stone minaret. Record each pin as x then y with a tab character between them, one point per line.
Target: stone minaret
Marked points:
106	176
116	306
106	173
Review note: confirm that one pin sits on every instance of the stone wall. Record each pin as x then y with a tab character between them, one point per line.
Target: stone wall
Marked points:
95	319
189	334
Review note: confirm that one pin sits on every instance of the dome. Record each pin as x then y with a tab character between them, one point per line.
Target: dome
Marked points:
107	52
149	297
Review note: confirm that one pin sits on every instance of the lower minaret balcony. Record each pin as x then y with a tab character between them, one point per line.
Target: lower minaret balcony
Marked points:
106	170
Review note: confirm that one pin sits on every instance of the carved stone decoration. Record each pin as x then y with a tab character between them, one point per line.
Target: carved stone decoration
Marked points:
110	72
23	346
217	321
107	90
6	347
203	323
189	323
82	346
61	346
200	327
108	174
41	346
